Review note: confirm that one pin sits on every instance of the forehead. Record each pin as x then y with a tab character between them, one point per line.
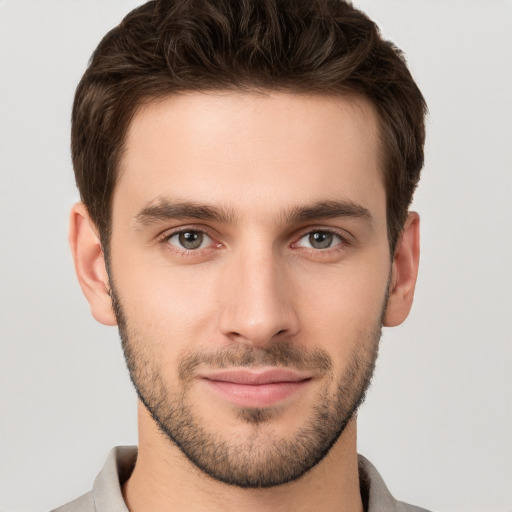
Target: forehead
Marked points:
253	152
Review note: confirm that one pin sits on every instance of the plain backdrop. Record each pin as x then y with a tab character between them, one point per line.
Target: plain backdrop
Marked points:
438	420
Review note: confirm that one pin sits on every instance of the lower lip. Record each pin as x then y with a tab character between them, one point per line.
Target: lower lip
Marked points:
260	395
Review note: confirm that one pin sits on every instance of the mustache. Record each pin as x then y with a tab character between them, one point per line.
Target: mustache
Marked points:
284	354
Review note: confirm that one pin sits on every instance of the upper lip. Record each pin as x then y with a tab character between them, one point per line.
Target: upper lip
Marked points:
256	377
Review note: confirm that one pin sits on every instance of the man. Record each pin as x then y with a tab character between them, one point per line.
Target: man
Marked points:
245	170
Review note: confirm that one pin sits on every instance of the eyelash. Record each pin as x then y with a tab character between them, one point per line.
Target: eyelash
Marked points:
341	245
183	252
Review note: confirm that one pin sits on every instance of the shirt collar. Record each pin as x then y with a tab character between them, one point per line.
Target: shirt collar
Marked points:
108	496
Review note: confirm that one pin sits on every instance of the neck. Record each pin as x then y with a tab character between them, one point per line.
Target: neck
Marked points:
164	479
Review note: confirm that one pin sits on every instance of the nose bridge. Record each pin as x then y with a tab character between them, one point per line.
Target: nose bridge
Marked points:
257	304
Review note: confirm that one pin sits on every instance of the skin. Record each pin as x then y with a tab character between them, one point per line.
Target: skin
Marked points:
256	281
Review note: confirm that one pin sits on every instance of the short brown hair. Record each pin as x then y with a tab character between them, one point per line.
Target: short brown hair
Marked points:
304	46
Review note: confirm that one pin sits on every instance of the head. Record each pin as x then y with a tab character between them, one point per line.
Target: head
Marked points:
169	47
246	172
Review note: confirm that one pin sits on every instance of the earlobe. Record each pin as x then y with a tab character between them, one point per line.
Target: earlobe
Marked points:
404	272
90	264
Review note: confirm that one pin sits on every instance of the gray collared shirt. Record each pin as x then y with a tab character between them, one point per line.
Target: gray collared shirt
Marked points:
106	494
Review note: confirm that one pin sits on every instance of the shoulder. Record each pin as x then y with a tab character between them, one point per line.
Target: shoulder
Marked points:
376	496
84	503
405	507
106	494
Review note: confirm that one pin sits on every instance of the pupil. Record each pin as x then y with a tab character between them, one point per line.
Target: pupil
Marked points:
320	240
191	239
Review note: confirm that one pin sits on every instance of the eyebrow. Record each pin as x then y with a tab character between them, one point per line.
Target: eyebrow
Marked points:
165	209
329	210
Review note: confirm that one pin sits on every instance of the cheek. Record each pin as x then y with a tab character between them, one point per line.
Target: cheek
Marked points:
341	308
170	310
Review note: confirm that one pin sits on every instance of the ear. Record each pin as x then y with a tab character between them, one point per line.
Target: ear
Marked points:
90	264
404	272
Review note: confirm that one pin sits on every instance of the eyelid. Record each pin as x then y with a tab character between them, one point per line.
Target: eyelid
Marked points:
342	234
164	238
168	233
206	239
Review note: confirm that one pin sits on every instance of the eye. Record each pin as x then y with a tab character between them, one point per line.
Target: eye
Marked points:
189	240
320	240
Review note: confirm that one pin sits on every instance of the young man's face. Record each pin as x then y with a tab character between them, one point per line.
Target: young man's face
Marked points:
250	267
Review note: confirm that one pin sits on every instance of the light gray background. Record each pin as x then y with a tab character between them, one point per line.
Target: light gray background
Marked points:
438	420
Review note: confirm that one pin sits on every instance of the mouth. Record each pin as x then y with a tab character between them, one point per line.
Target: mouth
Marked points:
262	387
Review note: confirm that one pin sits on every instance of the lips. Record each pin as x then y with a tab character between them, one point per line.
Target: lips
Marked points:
256	388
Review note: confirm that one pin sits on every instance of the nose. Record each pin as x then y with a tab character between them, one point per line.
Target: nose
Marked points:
257	300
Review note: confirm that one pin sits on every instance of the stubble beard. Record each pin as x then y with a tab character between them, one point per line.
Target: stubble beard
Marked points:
258	460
